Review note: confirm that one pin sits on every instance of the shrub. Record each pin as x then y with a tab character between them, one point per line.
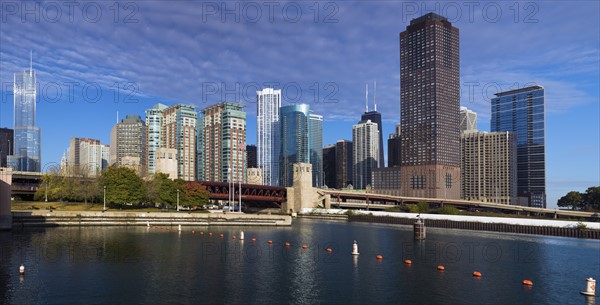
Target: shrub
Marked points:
423	207
448	210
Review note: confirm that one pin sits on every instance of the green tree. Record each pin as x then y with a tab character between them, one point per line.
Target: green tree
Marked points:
423	207
591	197
571	199
161	190
123	185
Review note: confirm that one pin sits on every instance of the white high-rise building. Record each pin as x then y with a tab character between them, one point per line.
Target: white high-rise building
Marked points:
468	120
92	157
268	102
365	157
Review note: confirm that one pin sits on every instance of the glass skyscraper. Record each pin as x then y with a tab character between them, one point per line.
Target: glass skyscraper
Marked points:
154	118
301	141
27	150
268	102
522	112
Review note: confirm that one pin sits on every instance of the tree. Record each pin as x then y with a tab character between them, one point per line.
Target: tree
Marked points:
591	197
195	194
123	185
423	207
161	190
571	199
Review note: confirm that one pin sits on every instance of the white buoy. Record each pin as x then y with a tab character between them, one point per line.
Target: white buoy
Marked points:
355	248
22	270
147	224
590	288
179	228
242	235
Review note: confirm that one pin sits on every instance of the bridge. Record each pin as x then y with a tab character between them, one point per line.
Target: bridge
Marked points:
260	196
362	200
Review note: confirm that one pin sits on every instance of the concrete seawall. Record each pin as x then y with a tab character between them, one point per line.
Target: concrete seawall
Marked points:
83	218
476	223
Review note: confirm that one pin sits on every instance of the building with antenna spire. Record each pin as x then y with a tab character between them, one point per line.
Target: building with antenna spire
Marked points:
374	117
26	153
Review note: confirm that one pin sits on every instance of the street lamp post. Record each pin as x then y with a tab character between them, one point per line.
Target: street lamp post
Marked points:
229	187
104	209
177	200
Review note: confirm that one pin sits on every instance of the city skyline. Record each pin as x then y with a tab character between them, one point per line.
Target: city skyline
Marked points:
579	114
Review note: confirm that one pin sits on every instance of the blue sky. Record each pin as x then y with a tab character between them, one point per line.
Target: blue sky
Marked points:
322	54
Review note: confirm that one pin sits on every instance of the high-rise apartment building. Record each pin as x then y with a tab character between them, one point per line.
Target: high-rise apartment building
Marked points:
316	148
87	158
430	104
329	166
365	137
295	140
6	145
154	118
268	102
522	112
27	151
468	120
222	143
173	128
488	167
344	168
128	144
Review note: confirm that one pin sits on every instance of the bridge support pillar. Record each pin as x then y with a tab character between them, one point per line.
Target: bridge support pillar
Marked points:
5	192
419	229
301	195
328	201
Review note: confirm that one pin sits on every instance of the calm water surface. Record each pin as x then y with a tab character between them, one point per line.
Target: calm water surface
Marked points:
135	265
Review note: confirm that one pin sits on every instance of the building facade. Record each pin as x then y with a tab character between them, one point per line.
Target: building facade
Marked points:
375	117
154	118
128	143
489	167
87	158
344	168
6	145
365	137
386	181
27	151
522	112
223	143
268	102
316	148
329	166
394	148
468	120
429	94
294	130
251	155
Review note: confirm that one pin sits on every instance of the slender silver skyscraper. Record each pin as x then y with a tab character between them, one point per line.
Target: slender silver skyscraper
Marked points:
27	151
268	102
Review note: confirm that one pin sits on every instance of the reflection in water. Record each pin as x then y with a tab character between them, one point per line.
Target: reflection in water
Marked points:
153	265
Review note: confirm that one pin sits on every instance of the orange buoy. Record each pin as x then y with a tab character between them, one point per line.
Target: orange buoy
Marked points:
477	273
287	244
209	233
193	232
329	250
253	238
233	237
221	235
408	262
527	283
441	268
379	257
304	246
201	232
270	242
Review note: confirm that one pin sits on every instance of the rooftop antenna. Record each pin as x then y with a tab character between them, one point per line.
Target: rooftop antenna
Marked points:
30	63
367	97
375	95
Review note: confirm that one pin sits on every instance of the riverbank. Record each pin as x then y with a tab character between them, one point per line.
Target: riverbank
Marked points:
35	218
495	224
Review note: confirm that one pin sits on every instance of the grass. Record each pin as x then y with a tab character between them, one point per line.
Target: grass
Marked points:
80	206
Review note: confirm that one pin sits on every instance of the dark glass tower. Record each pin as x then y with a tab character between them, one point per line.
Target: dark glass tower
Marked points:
251	155
329	166
522	112
6	145
430	105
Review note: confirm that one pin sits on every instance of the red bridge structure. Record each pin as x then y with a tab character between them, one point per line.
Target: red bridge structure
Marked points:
258	196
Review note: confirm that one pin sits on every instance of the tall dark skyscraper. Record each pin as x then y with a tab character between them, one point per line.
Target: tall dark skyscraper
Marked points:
394	146
430	105
522	112
6	144
329	166
344	167
375	117
251	155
